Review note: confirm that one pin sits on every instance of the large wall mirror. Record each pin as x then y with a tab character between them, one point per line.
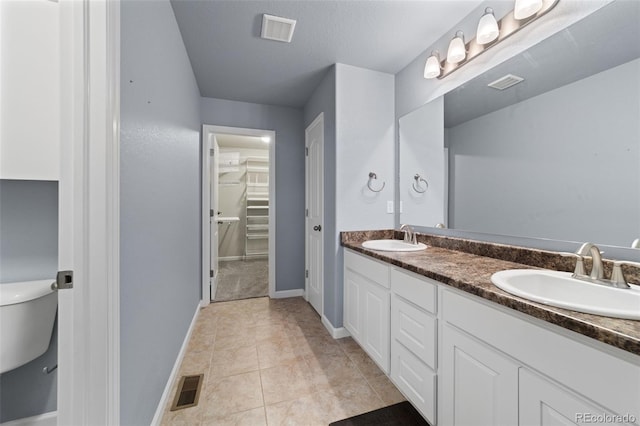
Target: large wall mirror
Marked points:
555	156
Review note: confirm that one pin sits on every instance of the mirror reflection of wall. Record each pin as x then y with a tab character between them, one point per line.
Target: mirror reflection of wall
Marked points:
423	172
555	156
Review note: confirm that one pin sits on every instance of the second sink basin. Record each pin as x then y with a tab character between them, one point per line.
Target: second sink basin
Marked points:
560	289
392	245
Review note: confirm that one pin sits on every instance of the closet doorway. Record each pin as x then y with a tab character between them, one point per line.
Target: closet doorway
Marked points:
238	193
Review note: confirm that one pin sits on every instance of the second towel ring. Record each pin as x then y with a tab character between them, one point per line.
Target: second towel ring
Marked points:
371	177
416	184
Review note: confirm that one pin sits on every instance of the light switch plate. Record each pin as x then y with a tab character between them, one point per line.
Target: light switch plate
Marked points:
389	207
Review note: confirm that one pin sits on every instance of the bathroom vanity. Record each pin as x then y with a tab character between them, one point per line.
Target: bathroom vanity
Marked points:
465	352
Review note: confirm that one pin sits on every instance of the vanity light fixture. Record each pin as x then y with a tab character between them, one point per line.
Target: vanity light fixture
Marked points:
457	50
526	8
432	67
487	27
489	33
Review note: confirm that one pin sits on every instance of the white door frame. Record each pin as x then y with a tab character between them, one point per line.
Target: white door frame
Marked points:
207	130
319	118
89	228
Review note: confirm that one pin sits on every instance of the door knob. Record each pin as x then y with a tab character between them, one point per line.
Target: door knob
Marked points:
317	228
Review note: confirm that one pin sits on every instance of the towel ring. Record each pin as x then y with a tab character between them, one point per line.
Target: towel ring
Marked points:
371	177
416	184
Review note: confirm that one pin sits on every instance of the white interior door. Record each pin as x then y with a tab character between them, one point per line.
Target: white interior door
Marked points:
214	213
314	199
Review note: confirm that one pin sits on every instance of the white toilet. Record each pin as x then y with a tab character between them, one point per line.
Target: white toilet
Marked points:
27	315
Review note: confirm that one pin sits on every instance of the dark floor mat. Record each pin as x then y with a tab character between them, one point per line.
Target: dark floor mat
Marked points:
402	414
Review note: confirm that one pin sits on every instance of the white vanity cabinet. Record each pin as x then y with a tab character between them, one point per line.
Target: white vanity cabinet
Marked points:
29	134
414	331
479	386
498	368
366	305
543	403
462	360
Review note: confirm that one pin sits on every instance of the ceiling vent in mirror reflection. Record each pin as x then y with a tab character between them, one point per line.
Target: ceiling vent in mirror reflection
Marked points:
277	28
505	82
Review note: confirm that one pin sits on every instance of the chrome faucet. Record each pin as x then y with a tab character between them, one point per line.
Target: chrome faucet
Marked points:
597	271
409	235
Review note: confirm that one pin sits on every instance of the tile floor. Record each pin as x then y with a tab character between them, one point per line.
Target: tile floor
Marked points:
242	279
272	362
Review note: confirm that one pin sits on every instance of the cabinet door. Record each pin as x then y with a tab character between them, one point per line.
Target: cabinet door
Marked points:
352	300
376	310
543	403
479	386
416	381
30	101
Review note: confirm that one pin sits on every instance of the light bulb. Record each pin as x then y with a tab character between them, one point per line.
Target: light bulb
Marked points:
487	28
432	67
526	8
457	51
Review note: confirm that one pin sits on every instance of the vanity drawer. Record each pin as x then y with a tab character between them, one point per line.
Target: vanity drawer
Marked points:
415	329
415	380
374	270
418	290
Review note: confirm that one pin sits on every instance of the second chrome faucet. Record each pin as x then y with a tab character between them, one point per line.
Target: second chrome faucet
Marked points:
597	269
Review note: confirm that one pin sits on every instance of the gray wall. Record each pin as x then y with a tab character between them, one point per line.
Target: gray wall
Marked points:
562	165
365	130
323	100
29	251
160	203
359	138
289	164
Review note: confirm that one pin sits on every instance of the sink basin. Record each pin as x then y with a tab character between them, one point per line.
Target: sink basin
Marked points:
392	245
560	289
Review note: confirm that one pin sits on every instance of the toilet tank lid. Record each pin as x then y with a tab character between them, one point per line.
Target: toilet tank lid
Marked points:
12	293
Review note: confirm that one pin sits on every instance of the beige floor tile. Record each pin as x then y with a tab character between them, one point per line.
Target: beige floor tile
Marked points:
195	363
230	395
365	365
229	362
270	331
254	417
200	343
185	417
333	370
286	381
386	390
232	341
272	353
355	397
307	410
276	352
317	345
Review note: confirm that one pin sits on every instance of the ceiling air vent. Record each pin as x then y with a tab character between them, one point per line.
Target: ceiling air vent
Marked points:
277	28
505	82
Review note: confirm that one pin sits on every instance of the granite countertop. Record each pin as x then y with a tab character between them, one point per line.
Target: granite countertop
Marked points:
472	272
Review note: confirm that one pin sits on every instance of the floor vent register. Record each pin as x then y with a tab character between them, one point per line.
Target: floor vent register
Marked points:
188	392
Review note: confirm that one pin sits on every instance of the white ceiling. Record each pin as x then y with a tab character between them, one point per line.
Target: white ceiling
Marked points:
231	61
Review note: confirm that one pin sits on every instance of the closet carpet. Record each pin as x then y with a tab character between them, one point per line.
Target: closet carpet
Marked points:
242	279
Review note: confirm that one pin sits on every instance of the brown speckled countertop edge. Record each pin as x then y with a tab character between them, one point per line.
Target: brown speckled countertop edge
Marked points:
564	318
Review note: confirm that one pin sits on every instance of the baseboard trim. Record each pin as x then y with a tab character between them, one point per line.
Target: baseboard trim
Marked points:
157	418
230	258
46	419
287	293
336	333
